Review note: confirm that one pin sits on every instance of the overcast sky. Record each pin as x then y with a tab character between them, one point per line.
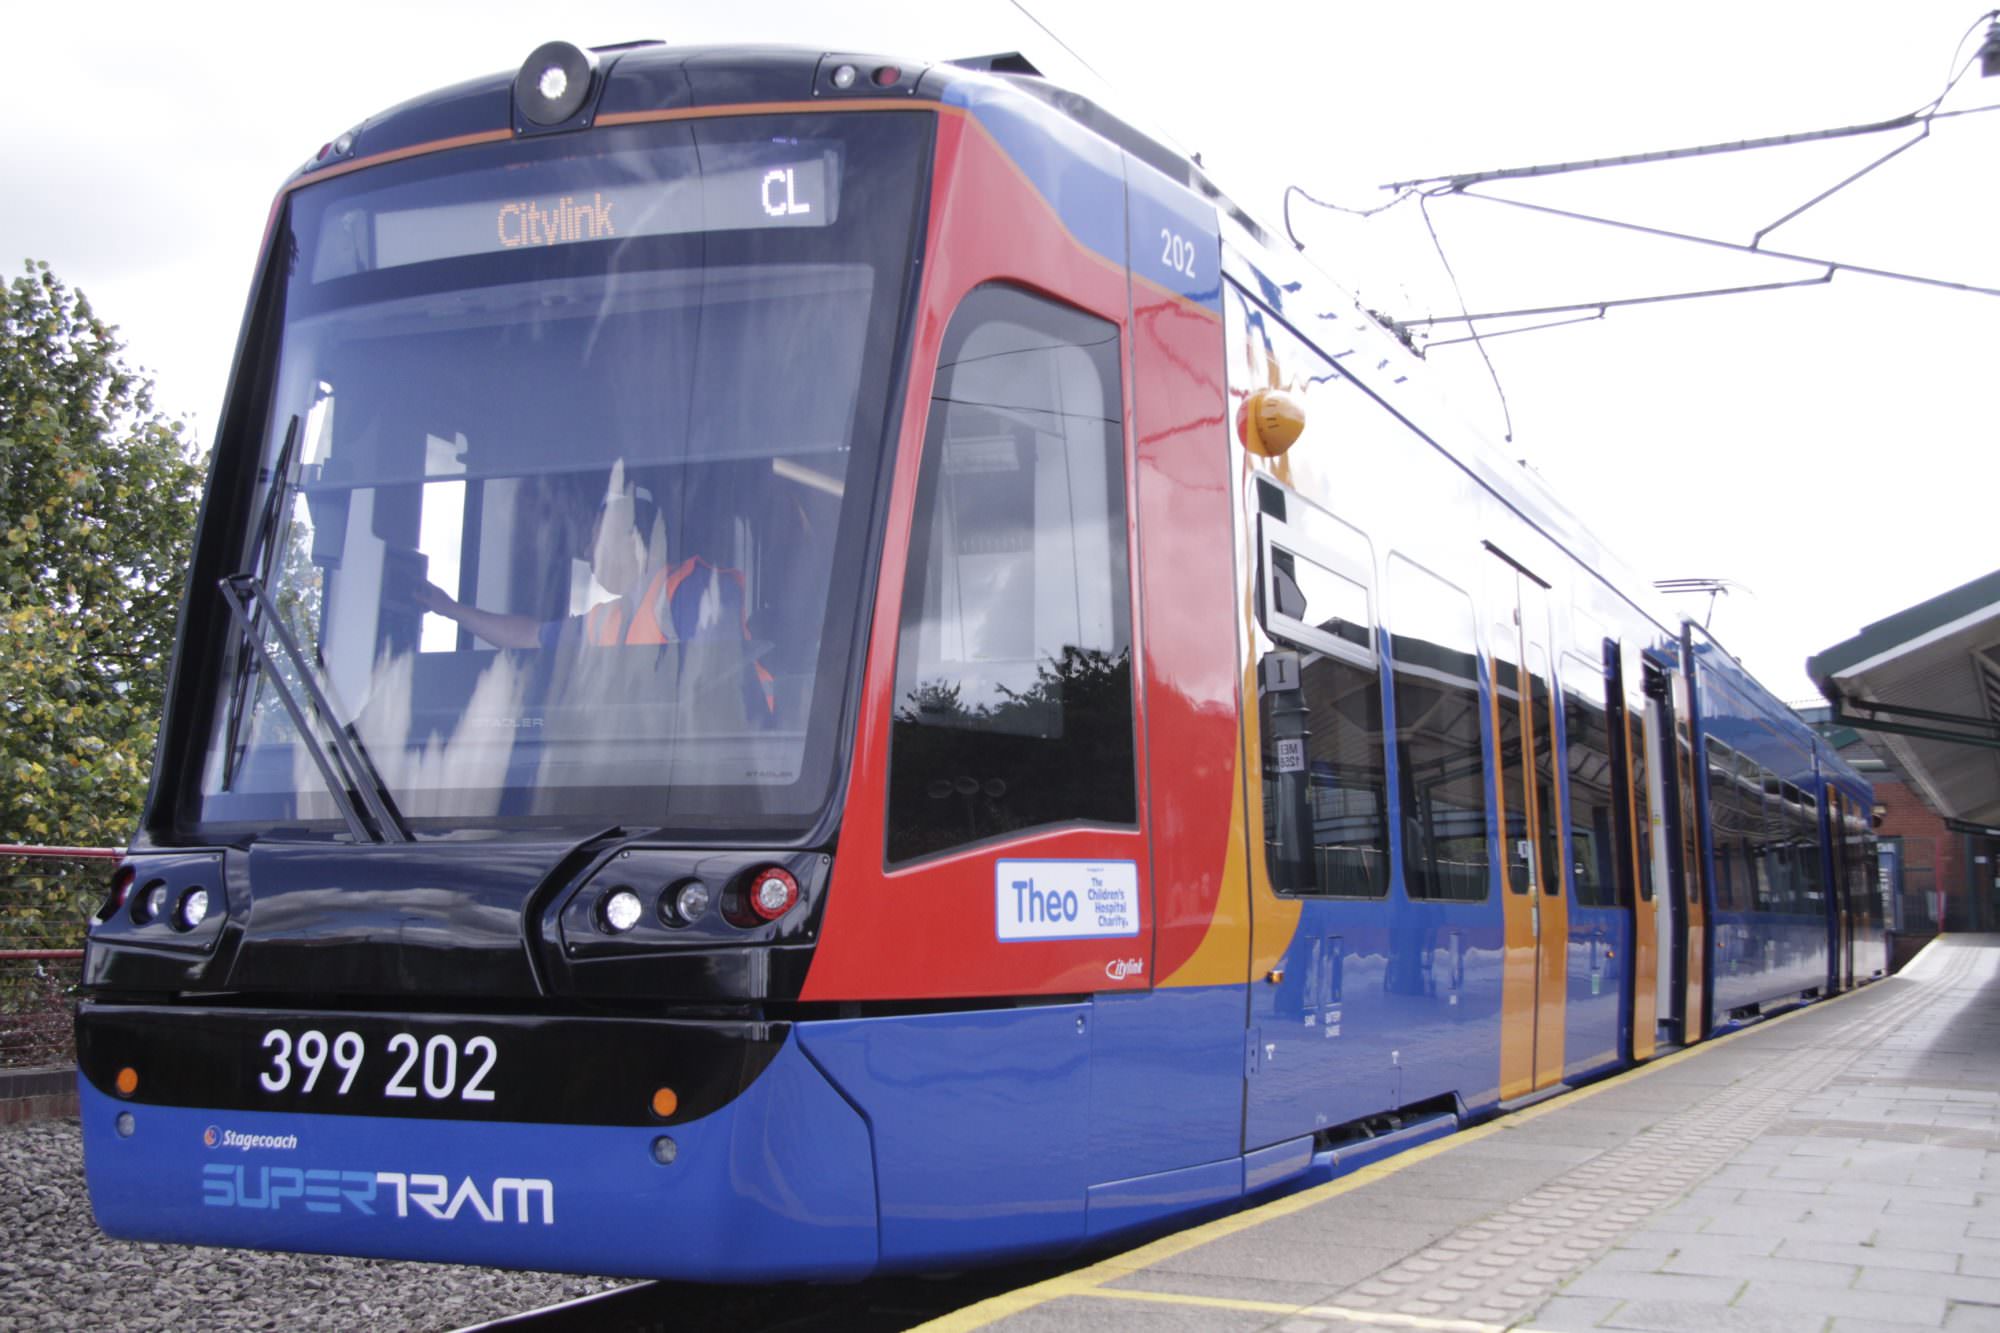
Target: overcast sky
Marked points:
1829	448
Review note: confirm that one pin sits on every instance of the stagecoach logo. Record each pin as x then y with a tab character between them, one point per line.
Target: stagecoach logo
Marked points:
378	1193
1118	969
215	1137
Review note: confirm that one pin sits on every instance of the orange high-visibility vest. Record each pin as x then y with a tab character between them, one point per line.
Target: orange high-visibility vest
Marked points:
605	624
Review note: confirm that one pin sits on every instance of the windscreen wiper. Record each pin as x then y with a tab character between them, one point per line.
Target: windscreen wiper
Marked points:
259	562
346	769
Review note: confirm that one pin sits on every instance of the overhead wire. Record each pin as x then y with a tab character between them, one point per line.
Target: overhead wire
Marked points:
1506	414
1920	118
1311	198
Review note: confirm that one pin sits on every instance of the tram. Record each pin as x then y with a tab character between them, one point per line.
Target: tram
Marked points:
799	665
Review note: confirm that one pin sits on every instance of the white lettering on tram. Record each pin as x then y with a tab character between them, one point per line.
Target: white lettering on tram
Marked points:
785	204
226	1185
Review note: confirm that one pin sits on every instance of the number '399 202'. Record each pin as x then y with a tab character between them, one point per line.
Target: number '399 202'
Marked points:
437	1067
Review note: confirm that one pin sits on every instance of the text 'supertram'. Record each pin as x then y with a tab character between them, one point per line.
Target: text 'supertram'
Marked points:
800	666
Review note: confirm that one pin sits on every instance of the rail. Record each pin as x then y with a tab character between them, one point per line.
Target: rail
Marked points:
46	897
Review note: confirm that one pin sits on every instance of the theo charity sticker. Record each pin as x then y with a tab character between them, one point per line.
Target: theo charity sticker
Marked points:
1065	900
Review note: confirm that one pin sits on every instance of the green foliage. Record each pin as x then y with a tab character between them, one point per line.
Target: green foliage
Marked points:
98	497
1060	748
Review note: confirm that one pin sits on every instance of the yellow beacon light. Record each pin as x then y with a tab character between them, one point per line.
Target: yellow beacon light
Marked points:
1270	422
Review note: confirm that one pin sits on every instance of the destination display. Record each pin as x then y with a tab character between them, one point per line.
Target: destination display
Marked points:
798	188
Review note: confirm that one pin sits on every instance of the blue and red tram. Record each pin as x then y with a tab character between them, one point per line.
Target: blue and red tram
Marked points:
798	665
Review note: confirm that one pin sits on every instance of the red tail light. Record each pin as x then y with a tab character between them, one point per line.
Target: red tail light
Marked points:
121	884
772	893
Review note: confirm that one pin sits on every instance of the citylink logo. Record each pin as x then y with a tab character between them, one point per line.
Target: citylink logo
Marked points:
322	1190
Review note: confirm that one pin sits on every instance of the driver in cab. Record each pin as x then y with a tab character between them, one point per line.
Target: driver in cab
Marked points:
653	602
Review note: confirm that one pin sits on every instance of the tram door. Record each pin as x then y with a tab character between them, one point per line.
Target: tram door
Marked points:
1527	796
1681	997
1695	1026
1669	914
1636	838
1841	968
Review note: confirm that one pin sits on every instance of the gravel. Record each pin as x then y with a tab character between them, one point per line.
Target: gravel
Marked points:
57	1270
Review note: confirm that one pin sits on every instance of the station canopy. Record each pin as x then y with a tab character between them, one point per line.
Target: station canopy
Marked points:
1925	685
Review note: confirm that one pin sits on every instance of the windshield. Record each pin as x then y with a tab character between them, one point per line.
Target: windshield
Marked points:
568	463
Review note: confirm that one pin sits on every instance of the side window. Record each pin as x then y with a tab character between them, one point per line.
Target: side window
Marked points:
1773	883
1013	669
1326	820
1803	808
1440	766
1587	743
1734	812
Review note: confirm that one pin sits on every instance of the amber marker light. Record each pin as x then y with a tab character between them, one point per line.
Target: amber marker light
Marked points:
1270	422
128	1081
665	1102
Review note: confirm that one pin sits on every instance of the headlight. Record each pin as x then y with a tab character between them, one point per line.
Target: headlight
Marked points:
151	904
193	909
622	909
687	901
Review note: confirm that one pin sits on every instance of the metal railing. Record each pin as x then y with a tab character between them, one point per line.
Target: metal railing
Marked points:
47	895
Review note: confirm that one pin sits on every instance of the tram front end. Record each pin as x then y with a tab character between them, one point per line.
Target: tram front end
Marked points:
497	804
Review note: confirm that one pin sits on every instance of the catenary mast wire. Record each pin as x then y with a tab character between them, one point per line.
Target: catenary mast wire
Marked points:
1506	414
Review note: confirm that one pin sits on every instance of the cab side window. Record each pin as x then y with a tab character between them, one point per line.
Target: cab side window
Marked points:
1013	704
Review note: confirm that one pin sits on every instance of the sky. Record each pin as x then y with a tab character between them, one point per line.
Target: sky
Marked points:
1830	450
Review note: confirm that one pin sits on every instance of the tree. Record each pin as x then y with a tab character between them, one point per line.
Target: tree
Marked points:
98	497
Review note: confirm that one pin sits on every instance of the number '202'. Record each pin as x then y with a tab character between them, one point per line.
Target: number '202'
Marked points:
1177	252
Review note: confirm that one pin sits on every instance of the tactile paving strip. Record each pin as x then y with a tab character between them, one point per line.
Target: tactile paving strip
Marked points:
1503	1267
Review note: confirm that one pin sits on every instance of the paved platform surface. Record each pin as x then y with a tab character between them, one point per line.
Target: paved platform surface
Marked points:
1836	1170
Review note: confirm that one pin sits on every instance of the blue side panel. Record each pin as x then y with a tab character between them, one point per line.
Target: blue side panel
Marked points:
1276	1164
1759	957
986	1116
788	1162
1121	1205
1081	175
1176	241
1166	1083
1595	1016
1376	1005
1765	958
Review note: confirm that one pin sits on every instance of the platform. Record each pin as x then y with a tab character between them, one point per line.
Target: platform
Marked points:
1833	1170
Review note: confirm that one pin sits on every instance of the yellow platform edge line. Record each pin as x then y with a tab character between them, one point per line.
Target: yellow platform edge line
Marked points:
1086	1281
1386	1318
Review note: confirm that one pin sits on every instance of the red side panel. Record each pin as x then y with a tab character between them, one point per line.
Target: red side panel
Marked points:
1186	551
929	930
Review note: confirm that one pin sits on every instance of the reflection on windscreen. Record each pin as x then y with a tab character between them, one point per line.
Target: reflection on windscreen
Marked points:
550	538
